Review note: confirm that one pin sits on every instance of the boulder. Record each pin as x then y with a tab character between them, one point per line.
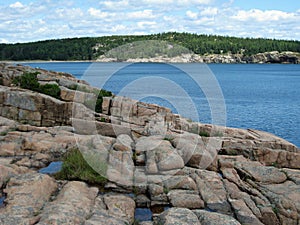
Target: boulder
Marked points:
26	196
212	218
120	206
163	158
260	173
293	175
72	205
185	199
211	190
120	168
180	182
174	216
124	143
243	213
157	193
285	198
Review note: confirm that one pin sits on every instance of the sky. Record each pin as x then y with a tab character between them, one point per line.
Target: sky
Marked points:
34	20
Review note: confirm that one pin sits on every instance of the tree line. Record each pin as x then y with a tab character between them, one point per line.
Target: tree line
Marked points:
90	48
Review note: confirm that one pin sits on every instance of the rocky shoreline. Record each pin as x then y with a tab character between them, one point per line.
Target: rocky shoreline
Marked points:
195	173
260	58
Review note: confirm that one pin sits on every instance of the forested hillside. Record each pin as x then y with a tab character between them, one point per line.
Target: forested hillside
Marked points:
92	48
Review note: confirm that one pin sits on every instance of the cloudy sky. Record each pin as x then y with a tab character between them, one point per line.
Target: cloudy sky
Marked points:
32	20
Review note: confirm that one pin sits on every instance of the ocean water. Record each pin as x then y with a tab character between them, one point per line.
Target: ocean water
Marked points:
258	96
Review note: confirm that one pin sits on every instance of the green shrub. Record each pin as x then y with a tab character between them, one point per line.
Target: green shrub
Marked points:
75	167
30	81
50	89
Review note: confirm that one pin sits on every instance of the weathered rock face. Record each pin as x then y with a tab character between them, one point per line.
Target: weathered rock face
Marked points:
33	108
232	176
26	196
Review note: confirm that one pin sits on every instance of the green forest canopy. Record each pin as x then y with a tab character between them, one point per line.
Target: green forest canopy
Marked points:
90	48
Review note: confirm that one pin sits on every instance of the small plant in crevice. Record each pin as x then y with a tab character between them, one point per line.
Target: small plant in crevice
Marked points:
103	120
4	133
204	134
75	167
100	94
168	139
94	104
275	209
134	156
275	164
166	190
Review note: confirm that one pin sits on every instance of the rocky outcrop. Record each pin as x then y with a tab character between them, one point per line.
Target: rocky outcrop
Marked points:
151	158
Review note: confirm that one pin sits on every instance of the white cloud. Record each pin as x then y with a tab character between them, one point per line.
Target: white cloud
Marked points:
210	11
115	5
118	28
97	13
259	15
145	14
192	15
159	2
182	3
16	5
48	19
67	14
146	24
195	2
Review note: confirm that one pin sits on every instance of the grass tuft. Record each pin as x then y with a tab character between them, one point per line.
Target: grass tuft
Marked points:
75	167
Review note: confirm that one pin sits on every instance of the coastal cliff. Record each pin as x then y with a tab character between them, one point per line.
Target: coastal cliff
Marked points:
194	173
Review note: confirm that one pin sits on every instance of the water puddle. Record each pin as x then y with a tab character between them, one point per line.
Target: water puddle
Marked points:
2	199
52	168
146	214
143	214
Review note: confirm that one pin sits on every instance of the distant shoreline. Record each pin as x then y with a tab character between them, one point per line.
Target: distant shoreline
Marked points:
260	58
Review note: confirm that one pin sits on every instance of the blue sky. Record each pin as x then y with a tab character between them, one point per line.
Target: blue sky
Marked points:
33	20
